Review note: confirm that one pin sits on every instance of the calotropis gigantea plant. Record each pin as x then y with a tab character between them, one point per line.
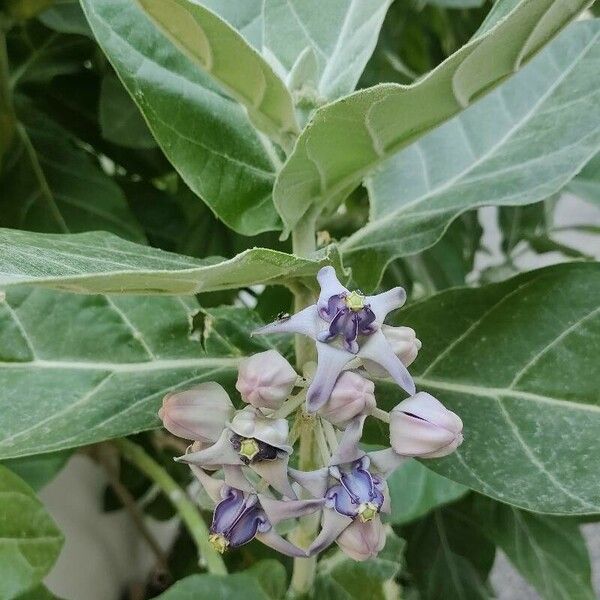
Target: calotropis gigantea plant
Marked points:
346	484
176	173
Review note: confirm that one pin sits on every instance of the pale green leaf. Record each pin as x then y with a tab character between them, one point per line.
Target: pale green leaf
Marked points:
103	263
216	587
336	38
517	361
549	552
29	540
348	139
223	53
518	145
587	184
75	369
415	490
206	136
37	471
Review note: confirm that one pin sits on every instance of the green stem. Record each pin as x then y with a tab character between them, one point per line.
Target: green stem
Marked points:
303	576
7	116
185	507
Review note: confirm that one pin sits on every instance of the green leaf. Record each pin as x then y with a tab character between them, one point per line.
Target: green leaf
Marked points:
448	557
102	263
40	592
223	53
549	552
341	578
587	184
120	120
29	540
271	576
319	48
37	471
348	139
50	184
206	136
415	490
216	587
517	362
518	145
66	17
106	373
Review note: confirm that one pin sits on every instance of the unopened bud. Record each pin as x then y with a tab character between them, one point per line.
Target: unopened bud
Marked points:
404	343
352	395
199	413
422	426
362	540
266	379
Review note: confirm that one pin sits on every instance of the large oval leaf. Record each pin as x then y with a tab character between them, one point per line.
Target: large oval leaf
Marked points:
349	138
521	143
518	361
103	263
206	136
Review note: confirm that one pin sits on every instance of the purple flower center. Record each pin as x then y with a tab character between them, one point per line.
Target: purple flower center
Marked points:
236	520
358	495
348	316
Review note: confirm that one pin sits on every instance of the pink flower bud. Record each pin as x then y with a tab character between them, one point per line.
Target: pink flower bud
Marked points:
352	395
361	541
405	346
266	379
422	426
199	413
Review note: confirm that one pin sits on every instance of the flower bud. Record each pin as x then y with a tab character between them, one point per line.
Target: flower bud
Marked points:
361	541
266	379
199	413
422	426
352	395
404	343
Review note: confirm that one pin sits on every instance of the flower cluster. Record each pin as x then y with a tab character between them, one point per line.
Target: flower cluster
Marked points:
242	457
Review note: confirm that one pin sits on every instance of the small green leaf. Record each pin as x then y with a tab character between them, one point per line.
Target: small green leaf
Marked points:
415	490
102	263
206	136
587	184
216	587
348	139
37	471
271	576
517	362
225	55
29	540
549	552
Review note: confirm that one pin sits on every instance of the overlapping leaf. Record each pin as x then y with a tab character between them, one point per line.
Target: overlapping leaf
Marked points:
520	144
206	136
225	55
349	138
518	362
103	263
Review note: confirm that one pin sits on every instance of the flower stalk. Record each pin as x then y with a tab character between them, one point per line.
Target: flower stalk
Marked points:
185	507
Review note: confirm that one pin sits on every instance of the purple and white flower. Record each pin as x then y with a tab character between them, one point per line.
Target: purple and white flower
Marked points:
345	325
241	516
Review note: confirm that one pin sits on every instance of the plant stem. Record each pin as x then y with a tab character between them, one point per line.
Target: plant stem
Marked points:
185	507
7	116
380	414
303	576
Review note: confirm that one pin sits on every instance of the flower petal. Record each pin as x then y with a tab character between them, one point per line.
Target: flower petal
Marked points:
376	348
211	485
220	453
330	286
272	539
348	450
330	362
234	477
332	525
306	322
280	510
385	462
274	472
247	526
314	482
384	303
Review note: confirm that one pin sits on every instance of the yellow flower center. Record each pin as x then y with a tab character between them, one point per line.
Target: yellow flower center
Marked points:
219	542
367	511
248	448
355	301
